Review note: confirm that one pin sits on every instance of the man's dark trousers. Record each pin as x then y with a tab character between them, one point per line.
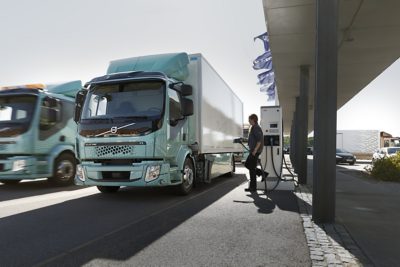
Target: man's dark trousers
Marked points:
251	165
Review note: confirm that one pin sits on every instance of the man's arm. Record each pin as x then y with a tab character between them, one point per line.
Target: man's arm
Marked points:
259	136
256	148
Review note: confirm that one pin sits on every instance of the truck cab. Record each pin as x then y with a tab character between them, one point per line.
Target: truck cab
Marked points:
37	133
133	131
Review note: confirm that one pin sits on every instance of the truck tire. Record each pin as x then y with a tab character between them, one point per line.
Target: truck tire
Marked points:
9	182
108	189
187	178
64	170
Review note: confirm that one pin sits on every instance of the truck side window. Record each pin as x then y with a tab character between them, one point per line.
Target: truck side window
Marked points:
175	108
48	104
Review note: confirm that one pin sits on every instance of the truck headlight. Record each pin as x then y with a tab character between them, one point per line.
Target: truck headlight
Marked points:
19	165
80	173
152	173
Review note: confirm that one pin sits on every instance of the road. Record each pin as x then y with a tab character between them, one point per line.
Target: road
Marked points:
217	225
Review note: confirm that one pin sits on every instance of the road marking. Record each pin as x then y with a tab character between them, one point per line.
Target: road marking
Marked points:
16	206
126	226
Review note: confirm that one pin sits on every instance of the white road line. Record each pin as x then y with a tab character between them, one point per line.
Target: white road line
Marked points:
16	206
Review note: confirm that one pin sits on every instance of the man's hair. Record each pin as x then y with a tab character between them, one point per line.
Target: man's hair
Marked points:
253	117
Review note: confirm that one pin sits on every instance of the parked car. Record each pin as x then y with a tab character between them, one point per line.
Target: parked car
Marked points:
344	156
384	152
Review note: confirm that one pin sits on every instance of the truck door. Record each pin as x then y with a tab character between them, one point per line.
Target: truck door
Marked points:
177	124
54	117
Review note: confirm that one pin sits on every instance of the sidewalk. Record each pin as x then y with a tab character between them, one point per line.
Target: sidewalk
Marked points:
370	211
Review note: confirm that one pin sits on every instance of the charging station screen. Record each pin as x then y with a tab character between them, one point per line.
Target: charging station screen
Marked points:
273	125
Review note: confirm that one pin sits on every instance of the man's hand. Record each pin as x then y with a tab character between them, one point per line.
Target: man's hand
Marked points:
254	153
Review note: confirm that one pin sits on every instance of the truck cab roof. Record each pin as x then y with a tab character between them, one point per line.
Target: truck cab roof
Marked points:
126	76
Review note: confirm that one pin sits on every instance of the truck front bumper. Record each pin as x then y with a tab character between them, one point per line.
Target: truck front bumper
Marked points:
20	167
144	174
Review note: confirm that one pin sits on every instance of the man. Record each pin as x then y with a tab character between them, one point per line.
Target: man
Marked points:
255	143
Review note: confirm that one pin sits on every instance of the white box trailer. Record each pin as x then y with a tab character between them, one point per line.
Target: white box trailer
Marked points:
358	141
218	110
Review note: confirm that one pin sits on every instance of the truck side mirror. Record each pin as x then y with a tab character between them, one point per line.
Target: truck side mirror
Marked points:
186	90
79	100
187	107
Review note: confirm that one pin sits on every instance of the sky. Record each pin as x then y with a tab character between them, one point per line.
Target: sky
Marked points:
44	41
376	107
53	40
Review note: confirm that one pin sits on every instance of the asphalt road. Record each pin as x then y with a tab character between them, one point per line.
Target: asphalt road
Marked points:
217	225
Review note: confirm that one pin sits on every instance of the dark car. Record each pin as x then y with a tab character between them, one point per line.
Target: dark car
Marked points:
343	156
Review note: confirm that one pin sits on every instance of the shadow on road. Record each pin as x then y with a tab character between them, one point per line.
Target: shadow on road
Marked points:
31	188
113	226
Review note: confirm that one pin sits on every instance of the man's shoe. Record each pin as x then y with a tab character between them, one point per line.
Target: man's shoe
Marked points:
250	189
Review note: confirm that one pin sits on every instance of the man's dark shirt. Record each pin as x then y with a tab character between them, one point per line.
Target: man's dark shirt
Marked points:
255	136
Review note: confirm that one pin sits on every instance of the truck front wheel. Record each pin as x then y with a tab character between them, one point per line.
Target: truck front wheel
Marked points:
64	170
108	189
187	178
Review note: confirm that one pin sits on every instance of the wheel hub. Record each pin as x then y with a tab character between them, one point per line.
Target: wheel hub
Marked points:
65	170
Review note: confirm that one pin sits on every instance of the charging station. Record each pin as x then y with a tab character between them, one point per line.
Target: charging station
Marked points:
271	158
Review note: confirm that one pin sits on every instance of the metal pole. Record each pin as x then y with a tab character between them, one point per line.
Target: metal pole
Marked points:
296	137
324	168
291	151
302	117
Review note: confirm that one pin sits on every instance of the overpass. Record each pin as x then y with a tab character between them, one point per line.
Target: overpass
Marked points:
324	53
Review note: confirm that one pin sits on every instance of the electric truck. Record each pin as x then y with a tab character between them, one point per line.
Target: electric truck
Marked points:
160	120
37	132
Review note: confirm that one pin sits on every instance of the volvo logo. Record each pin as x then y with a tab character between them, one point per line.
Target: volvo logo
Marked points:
114	129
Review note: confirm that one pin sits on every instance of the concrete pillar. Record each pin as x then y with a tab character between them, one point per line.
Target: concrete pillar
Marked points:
302	133
324	166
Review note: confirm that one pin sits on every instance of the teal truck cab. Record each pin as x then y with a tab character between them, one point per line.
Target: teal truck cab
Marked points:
161	120
37	132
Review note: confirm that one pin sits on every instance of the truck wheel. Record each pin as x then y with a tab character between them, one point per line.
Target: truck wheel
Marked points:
187	178
64	170
108	189
10	181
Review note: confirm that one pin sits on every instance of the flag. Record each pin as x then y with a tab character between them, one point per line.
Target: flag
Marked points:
260	60
264	37
263	62
270	90
266	77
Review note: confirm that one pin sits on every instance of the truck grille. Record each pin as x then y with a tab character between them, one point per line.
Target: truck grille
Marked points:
102	151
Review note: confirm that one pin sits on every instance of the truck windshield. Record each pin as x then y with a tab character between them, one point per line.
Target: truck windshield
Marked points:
139	104
16	114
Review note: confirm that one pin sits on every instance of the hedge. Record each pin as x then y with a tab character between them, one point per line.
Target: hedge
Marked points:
387	168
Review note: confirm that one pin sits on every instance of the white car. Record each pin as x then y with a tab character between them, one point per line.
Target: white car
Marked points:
384	152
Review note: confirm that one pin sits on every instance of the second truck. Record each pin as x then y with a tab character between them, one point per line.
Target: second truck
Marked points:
37	132
161	120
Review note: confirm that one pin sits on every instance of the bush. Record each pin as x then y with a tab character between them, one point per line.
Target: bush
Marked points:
387	169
